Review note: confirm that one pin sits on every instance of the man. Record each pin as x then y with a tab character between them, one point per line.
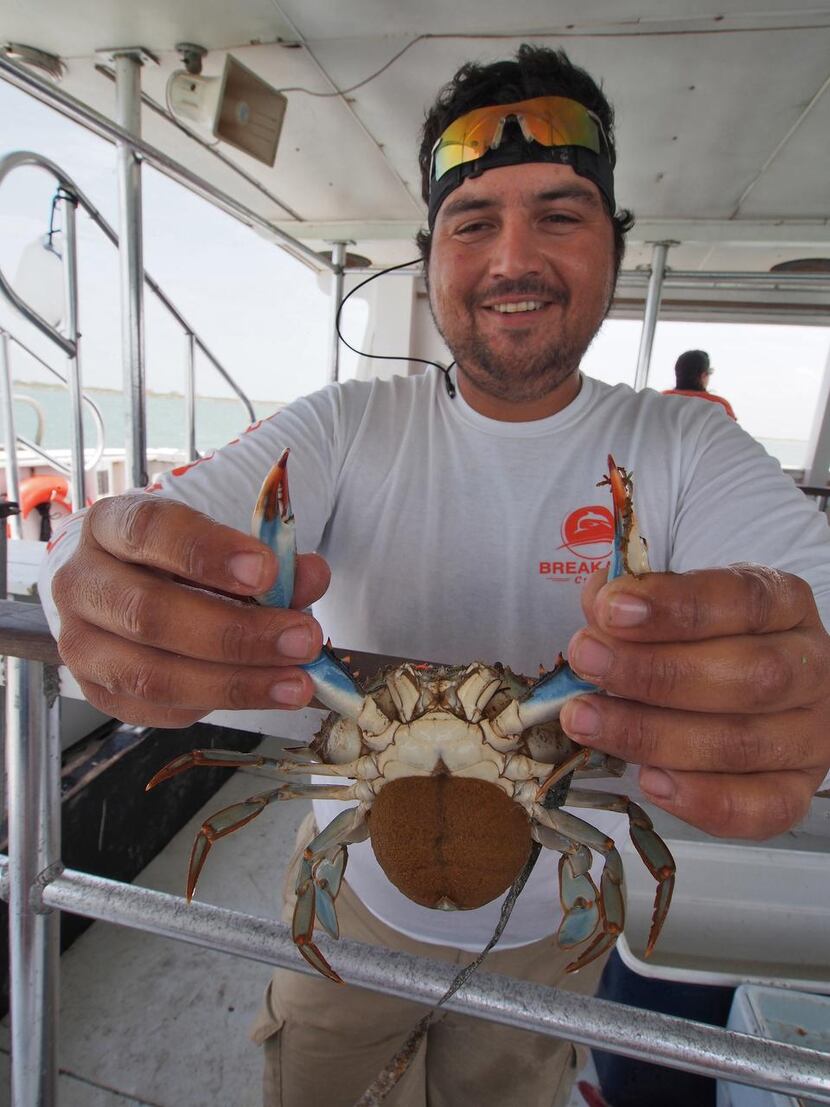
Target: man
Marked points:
451	526
692	373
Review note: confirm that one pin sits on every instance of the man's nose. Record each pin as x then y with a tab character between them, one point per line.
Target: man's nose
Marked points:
516	251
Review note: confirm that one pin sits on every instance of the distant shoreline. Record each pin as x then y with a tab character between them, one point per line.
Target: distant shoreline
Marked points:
149	392
219	419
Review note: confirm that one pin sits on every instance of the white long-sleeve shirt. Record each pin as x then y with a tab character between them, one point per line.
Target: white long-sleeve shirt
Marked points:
455	537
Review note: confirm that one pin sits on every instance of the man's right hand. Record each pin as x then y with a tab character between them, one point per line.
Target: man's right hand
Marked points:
151	626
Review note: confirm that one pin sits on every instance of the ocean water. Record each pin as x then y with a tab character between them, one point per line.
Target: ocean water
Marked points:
217	421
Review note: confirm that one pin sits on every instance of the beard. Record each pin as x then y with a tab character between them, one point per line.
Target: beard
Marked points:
509	370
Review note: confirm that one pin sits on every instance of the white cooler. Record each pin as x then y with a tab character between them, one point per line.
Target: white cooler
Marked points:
783	1015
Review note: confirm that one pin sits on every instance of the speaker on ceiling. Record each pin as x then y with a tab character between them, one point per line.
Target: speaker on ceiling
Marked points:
239	108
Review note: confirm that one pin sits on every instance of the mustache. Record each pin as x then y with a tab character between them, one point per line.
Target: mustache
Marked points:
530	287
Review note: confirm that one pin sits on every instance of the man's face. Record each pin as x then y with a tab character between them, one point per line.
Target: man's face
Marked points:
521	274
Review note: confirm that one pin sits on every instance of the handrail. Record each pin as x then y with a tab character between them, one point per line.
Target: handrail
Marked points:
35	882
22	158
819	493
20	398
681	1043
97	417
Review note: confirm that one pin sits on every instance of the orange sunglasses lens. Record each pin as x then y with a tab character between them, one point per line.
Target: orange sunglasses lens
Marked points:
548	120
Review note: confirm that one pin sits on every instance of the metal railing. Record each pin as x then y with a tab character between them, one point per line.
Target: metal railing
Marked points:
820	493
72	196
37	887
99	124
12	437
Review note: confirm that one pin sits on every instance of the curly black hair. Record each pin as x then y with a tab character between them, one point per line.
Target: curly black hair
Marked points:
536	71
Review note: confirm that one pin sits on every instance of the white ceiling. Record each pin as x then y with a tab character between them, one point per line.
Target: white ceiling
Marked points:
723	117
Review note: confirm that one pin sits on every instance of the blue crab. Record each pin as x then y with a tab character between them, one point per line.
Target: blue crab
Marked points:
455	771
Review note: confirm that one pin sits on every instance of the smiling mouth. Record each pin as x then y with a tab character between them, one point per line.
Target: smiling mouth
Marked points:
523	305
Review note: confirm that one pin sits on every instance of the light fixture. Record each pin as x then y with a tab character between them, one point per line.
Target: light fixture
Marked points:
238	108
39	280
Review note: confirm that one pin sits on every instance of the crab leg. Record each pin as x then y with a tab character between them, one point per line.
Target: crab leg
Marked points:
318	883
611	900
652	849
335	686
543	702
229	759
224	822
237	815
364	767
273	523
578	894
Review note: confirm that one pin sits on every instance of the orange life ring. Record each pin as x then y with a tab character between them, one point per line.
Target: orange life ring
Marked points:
48	488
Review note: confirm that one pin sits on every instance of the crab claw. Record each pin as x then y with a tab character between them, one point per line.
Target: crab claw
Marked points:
628	555
273	524
630	552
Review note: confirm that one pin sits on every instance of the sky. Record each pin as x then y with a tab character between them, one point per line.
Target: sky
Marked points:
267	317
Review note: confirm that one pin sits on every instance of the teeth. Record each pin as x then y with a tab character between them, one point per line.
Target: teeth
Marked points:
525	305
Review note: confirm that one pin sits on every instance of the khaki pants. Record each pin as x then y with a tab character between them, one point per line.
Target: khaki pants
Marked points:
324	1043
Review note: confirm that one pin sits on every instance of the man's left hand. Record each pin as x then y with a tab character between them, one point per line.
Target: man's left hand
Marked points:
720	690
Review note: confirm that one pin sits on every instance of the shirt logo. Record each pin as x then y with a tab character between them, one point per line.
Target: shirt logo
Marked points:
587	541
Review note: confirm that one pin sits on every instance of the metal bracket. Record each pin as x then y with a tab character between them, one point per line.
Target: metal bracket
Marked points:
191	55
44	878
140	53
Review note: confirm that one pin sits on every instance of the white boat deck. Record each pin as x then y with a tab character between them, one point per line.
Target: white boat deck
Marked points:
151	1022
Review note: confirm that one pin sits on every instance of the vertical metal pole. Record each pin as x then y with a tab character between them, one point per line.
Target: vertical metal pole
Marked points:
338	260
652	308
70	275
7	511
817	462
128	116
33	753
190	398
9	432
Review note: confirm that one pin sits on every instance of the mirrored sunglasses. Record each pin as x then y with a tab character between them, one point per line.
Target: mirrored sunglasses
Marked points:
548	120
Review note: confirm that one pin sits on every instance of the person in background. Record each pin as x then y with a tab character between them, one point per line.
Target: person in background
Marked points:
692	373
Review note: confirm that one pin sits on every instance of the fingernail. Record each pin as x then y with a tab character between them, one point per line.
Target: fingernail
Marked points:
247	568
589	657
290	693
655	782
295	642
625	610
580	719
